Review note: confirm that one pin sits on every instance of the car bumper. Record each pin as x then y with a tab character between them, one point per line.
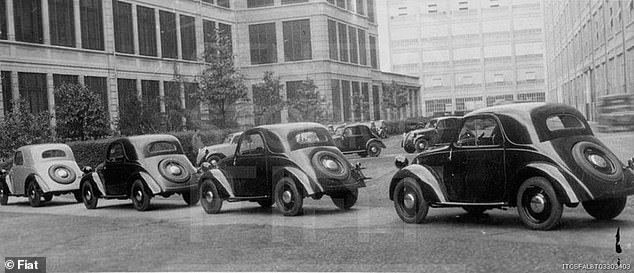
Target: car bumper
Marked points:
331	185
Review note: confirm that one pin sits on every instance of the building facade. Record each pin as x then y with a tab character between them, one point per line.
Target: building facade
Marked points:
469	54
590	51
154	49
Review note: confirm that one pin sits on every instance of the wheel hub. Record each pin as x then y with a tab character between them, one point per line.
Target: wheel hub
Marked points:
409	200
373	149
538	203
138	195
287	197
88	195
209	196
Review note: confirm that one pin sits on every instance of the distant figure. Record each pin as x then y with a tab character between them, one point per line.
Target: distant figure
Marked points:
373	128
197	142
331	129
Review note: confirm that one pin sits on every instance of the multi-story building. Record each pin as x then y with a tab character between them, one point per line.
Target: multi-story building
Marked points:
154	49
590	51
469	54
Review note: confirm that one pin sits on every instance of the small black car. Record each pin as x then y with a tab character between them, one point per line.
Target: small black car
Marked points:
438	131
359	139
533	156
140	167
282	163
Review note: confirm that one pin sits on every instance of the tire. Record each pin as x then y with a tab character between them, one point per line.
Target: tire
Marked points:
89	195
191	198
421	145
409	202
34	193
210	197
213	158
538	205
475	210
374	150
4	194
266	203
605	209
47	197
78	197
140	196
345	200
288	198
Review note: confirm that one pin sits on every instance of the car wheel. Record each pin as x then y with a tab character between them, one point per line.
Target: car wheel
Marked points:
210	198
538	205
4	194
89	195
47	197
35	194
266	203
421	145
345	200
409	202
77	195
409	148
374	150
597	161
191	197
288	197
605	209
212	159
475	210
140	196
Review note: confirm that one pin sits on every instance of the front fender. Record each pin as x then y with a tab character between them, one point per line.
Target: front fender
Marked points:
561	183
219	176
430	184
151	183
93	177
310	186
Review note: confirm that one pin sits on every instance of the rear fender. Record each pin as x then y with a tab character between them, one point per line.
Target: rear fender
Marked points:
151	183
40	182
309	186
429	183
559	181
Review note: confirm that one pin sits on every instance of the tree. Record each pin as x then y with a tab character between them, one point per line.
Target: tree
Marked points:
267	101
21	127
360	107
137	118
394	98
221	85
79	113
306	104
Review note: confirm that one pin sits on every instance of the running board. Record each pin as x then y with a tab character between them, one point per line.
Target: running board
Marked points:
460	204
250	198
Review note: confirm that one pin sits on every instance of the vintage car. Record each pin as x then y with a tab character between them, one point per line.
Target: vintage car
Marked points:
39	172
215	153
282	163
359	139
437	132
139	168
533	156
616	113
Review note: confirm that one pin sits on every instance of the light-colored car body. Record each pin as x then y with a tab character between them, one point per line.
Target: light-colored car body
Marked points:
219	151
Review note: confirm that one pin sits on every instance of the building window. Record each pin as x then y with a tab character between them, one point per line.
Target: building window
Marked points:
259	3
173	103
150	96
436	82
169	46
376	102
360	7
297	44
332	40
287	2
357	105
363	51
343	42
147	31
373	53
341	4
192	103
209	38
91	24
336	101
263	43
28	21
371	11
498	78
345	91
432	8
463	5
126	91
62	23
188	37
538	97
99	86
3	21
224	31
7	91
123	36
365	93
494	3
33	90
223	3
402	11
354	51
60	79
530	76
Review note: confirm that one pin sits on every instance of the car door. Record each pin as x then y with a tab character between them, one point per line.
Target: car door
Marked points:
113	172
353	139
17	174
477	171
250	172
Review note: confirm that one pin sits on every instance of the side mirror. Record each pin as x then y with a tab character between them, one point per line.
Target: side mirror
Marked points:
86	169
400	162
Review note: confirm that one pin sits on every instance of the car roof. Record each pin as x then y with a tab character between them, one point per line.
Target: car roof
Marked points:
526	109
446	117
284	129
34	151
141	141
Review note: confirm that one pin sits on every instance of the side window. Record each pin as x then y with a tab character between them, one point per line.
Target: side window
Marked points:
18	159
115	152
440	125
479	131
252	144
347	132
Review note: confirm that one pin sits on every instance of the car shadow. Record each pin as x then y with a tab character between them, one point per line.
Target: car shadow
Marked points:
256	210
52	203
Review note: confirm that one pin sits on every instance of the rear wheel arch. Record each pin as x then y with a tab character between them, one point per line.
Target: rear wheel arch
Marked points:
283	173
529	172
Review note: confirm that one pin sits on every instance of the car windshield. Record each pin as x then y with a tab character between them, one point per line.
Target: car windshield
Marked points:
231	139
162	147
309	138
53	154
431	124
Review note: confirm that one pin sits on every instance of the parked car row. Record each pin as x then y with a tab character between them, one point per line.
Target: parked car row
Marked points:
534	156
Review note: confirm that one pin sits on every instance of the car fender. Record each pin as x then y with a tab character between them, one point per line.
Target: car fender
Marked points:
557	177
94	178
381	144
9	183
151	183
219	177
429	183
301	177
43	185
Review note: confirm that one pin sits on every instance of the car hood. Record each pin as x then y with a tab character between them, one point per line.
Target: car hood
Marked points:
224	148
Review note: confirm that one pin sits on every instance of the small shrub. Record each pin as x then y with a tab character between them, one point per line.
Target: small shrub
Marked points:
20	127
80	113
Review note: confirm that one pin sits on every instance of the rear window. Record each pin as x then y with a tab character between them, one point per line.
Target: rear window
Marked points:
309	138
162	147
53	153
563	122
